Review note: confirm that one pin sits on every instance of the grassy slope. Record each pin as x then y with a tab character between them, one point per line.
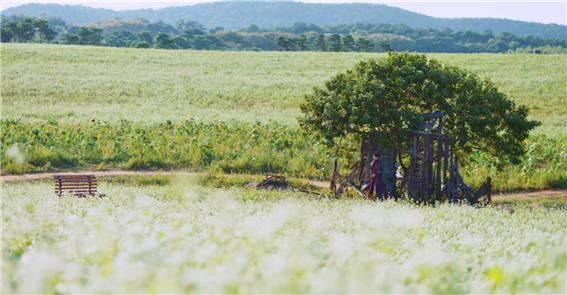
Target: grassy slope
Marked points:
74	84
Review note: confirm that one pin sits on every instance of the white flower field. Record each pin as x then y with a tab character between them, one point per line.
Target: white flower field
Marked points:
160	239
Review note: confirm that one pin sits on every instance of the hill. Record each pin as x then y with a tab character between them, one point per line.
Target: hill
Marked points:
120	83
141	33
275	14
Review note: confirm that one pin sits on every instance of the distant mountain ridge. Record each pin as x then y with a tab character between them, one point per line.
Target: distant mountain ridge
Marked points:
275	14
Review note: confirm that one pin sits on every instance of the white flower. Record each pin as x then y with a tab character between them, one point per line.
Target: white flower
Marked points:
13	152
37	269
471	240
220	243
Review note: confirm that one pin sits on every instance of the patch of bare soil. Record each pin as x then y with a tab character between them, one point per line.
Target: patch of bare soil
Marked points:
549	193
43	176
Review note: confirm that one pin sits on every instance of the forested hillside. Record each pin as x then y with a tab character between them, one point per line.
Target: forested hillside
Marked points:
141	33
238	15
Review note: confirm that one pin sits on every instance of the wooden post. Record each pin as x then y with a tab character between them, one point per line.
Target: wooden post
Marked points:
410	176
362	161
489	194
415	170
426	168
439	164
334	177
452	178
445	159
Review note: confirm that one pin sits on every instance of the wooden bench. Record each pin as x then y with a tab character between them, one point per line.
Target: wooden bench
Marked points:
80	185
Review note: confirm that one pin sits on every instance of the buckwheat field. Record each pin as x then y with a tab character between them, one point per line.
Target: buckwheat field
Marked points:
158	239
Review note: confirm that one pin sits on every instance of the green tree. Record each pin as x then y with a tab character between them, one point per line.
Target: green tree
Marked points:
43	30
215	42
6	35
363	44
69	39
10	28
348	43
181	42
89	36
321	44
283	43
25	30
496	45
145	36
302	42
29	29
9	31
335	43
202	42
142	44
163	41
382	100
121	39
193	27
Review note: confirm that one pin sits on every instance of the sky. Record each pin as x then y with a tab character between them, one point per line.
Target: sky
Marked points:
545	11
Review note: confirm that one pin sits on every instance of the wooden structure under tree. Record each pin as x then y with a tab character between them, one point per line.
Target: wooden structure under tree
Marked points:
273	181
432	174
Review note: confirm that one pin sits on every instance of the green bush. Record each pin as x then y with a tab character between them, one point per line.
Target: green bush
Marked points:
543	166
235	147
232	147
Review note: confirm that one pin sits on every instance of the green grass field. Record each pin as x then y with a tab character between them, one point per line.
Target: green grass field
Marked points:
76	83
192	239
78	107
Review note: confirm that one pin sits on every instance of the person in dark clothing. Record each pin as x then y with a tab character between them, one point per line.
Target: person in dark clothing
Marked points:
376	182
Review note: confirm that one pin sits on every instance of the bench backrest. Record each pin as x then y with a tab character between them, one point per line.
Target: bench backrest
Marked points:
77	184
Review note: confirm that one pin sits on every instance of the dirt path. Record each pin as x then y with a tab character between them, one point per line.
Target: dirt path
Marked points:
548	193
553	193
44	176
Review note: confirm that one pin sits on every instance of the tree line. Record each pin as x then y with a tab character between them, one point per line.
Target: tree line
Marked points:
141	33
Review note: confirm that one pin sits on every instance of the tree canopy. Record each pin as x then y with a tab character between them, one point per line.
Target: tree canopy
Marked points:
299	37
384	99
